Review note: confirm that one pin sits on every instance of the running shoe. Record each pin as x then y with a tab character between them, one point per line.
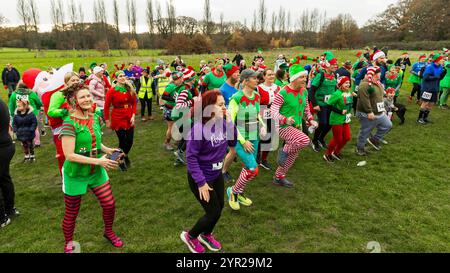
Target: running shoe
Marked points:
13	213
210	242
384	142
168	147
180	156
244	200
283	183
361	152
282	156
228	178
6	222
421	121
323	144
193	244
337	156
265	165
233	199
375	143
315	146
328	158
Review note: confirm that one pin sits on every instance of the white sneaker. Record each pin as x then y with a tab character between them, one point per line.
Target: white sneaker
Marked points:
384	142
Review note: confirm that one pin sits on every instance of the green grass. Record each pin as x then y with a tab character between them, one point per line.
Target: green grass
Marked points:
399	199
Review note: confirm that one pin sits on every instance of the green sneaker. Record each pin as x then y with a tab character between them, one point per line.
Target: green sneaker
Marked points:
233	199
244	200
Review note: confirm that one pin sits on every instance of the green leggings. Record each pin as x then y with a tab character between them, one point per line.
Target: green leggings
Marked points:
444	96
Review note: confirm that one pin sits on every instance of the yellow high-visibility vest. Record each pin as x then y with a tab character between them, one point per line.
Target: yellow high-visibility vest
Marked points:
146	88
162	83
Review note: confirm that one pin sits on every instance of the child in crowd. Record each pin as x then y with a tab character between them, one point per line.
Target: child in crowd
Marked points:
24	125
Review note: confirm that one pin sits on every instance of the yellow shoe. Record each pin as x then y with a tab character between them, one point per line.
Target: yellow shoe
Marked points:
244	200
233	199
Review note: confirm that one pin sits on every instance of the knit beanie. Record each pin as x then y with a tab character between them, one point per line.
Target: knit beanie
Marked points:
230	69
342	80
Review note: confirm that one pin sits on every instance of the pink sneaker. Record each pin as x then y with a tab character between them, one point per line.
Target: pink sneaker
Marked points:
193	244
210	242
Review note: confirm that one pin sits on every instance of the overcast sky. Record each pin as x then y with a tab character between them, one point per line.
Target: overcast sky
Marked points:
233	10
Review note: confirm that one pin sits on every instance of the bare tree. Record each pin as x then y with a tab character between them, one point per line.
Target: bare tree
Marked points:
262	12
133	17
116	23
73	16
222	24
207	18
161	23
2	20
282	21
129	15
171	17
254	21
61	15
274	23
24	15
150	21
34	15
289	21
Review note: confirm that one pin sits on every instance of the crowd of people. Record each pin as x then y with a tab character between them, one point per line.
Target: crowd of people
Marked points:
217	114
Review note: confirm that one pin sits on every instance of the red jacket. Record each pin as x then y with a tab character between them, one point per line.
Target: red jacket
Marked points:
123	108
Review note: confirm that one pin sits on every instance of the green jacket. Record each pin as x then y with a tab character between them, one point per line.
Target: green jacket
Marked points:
341	101
324	90
445	82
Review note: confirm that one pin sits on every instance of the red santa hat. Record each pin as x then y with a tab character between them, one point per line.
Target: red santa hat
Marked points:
378	54
390	90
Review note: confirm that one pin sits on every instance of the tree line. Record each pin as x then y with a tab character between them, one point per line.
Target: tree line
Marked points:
408	20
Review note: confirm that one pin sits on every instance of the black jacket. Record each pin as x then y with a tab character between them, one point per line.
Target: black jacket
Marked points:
24	125
237	59
403	62
5	138
12	76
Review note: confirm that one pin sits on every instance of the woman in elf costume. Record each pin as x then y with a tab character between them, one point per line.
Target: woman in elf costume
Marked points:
216	78
57	109
244	110
267	90
322	87
85	168
394	80
416	77
122	98
341	105
288	108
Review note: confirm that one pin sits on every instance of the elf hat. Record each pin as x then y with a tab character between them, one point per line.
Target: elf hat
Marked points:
422	56
230	69
284	66
390	90
92	65
176	75
371	71
188	75
330	58
296	71
437	57
342	80
378	54
359	54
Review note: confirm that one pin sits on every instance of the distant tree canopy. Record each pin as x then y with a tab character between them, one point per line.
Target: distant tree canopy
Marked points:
405	22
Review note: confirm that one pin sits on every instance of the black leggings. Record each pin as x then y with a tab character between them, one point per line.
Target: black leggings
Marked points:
213	208
6	186
146	102
125	139
416	89
324	123
28	147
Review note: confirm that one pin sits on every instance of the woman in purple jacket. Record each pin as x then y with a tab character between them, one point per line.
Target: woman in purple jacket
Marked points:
207	145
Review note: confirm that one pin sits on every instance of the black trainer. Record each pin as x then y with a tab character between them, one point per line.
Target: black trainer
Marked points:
323	144
13	213
315	146
5	222
337	156
265	165
375	143
328	158
361	152
283	183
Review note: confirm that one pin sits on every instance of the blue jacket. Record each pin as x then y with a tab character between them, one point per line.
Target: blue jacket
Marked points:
417	67
24	125
363	73
431	77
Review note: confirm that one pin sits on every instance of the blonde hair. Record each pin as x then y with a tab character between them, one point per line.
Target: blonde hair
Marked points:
69	75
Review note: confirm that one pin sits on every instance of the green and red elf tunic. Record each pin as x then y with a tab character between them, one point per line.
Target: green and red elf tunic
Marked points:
339	102
291	103
123	107
214	79
393	80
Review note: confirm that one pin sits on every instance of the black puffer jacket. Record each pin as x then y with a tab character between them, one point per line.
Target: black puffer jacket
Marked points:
24	125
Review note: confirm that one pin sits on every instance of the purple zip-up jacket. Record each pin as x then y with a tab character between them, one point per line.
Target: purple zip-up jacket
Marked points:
206	149
137	71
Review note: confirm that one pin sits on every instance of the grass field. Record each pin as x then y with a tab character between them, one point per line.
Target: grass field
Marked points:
399	199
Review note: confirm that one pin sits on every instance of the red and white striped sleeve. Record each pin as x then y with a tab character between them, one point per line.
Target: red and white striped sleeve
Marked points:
275	109
182	100
308	114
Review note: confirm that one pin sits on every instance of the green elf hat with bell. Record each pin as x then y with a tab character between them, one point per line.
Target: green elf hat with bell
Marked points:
302	57
296	71
437	57
92	65
330	58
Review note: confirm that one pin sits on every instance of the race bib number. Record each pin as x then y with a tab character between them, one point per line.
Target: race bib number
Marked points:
426	95
326	98
267	114
348	118
217	166
380	106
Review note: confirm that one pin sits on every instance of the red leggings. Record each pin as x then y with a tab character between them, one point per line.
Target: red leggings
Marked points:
341	135
59	152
